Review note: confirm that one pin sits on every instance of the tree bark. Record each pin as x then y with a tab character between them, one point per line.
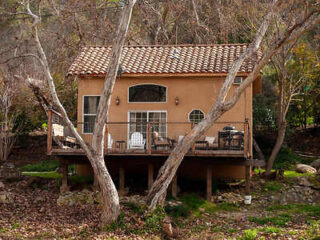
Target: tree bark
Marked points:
158	191
276	148
258	150
95	152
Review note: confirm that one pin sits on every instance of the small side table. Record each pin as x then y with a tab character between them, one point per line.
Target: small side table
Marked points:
121	145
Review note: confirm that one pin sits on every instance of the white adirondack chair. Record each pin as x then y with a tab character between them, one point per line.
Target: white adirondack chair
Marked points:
136	141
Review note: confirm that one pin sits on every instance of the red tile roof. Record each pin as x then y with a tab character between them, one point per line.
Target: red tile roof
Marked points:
164	59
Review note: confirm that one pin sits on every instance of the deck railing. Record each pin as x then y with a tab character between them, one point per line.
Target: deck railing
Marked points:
152	137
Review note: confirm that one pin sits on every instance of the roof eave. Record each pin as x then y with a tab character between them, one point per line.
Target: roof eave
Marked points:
135	75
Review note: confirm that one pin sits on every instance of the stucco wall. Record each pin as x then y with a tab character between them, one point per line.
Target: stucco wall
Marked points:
193	93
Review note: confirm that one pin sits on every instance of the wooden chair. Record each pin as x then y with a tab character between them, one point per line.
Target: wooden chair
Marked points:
211	142
161	142
136	141
59	135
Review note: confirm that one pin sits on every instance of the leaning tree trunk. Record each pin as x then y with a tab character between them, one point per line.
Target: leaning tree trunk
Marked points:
158	190
258	150
280	138
95	153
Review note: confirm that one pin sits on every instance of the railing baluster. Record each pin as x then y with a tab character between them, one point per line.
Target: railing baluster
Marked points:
149	138
193	148
49	134
245	140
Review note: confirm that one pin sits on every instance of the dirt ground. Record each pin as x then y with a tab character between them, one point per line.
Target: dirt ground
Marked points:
33	213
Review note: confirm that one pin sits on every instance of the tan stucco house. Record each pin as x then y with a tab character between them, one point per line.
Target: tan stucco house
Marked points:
161	92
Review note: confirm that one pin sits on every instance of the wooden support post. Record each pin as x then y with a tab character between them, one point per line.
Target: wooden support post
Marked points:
64	169
209	182
150	175
174	186
245	140
248	180
193	148
49	134
121	181
149	138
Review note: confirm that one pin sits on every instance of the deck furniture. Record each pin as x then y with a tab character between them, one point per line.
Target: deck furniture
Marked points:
59	135
211	142
121	145
230	139
201	145
136	141
161	142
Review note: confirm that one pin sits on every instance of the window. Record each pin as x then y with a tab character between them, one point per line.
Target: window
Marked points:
147	93
90	107
237	80
139	122
196	116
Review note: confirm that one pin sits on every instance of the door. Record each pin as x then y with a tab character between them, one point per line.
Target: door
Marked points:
138	122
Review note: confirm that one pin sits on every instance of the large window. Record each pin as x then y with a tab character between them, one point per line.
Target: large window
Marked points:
147	93
139	122
196	116
90	107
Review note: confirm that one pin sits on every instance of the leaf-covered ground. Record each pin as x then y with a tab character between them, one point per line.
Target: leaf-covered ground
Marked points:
34	214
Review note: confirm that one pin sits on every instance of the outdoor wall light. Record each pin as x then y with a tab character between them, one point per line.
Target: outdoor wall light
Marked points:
176	101
117	100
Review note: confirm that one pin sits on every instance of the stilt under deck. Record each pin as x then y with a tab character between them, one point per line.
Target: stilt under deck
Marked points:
151	164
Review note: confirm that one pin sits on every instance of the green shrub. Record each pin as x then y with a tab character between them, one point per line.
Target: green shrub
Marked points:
273	186
153	220
116	224
270	230
44	166
193	201
178	211
48	175
286	159
227	207
280	220
250	234
309	210
134	207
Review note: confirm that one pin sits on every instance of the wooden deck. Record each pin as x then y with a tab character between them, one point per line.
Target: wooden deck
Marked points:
225	144
195	153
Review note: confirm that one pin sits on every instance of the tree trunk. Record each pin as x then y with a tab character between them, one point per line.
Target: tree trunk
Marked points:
109	194
277	146
258	150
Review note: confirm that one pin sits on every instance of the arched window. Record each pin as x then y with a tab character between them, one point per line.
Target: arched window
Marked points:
196	116
147	93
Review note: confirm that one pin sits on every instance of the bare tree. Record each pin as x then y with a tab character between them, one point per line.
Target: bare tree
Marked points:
158	190
95	151
7	123
289	85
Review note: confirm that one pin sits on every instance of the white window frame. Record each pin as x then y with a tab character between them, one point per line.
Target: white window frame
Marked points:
145	111
86	114
128	100
199	109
